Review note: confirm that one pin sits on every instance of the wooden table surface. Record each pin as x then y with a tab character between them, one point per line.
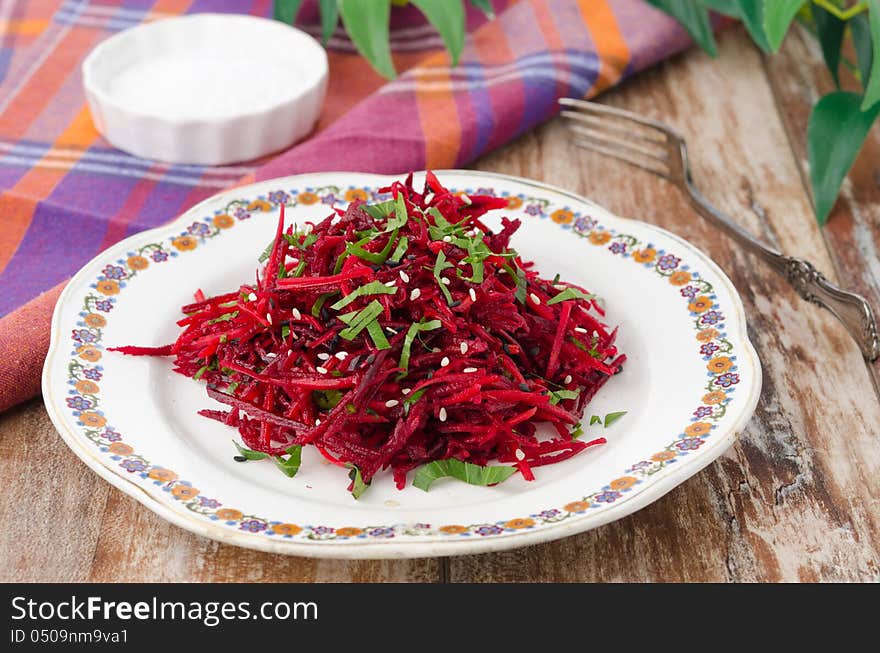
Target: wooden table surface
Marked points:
798	496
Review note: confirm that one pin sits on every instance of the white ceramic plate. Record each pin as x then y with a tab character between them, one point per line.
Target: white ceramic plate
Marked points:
691	382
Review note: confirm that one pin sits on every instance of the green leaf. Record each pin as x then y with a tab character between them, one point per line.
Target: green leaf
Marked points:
380	210
411	334
830	30
329	18
558	395
366	22
290	465
777	19
326	399
467	472
871	83
372	288
377	335
358	487
750	12
694	17
439	265
485	6
286	10
595	419
861	36
448	17
835	134
357	321
250	454
570	293
610	418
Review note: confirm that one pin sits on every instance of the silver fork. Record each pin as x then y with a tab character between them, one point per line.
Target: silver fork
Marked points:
655	147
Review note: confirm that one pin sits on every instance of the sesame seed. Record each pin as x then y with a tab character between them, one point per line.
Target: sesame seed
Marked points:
567	379
415	294
445	361
465	198
391	331
463	347
405	391
317	422
581	330
520	455
269	318
447	239
445	281
321	370
427	198
442	414
391	403
390	284
404	277
252	297
435	350
323	356
307	228
534	298
473	294
469	370
296	314
341	355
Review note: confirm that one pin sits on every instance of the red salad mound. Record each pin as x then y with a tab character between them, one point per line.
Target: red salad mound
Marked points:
397	334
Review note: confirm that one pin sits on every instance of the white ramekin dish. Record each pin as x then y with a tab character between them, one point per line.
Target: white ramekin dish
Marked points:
206	89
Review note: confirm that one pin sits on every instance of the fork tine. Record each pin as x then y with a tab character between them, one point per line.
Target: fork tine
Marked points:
604	109
591	144
649	135
598	134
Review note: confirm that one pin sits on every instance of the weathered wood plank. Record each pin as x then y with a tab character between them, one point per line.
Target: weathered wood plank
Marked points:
795	499
799	77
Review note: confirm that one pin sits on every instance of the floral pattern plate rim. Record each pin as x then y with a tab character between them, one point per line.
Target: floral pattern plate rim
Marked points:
692	382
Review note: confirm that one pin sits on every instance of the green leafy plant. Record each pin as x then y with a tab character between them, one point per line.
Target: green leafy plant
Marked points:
366	22
840	121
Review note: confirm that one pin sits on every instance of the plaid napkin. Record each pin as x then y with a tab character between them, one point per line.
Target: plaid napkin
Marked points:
67	194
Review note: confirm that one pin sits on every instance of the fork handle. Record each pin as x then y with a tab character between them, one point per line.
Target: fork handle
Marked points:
851	309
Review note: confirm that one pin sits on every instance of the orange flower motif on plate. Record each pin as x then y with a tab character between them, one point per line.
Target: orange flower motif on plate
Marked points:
714	397
223	221
88	353
514	202
286	529
576	506
108	287
719	365
120	449
519	523
229	514
184	492
160	474
697	429
92	420
353	194
185	243
307	198
562	216
86	387
707	335
623	483
349	531
644	255
137	262
662	456
95	321
453	529
599	237
679	277
700	305
259	205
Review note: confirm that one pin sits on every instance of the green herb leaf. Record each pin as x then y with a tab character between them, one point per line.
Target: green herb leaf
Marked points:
411	334
401	216
372	288
329	18
286	10
570	293
377	258
577	432
366	22
266	252
595	419
610	418
694	17
380	210
285	331
467	472
250	454
448	17
830	30
357	321
378	336
224	318
439	265
400	250
358	486
327	399
871	83
200	372
777	19
835	134
558	395
290	465
413	398
319	303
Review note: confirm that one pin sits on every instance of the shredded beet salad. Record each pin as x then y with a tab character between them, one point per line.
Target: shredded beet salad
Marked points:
399	335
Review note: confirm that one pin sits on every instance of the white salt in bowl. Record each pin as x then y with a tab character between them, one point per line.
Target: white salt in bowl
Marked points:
206	89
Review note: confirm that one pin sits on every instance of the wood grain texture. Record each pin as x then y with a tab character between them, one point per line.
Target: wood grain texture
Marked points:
797	498
799	77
